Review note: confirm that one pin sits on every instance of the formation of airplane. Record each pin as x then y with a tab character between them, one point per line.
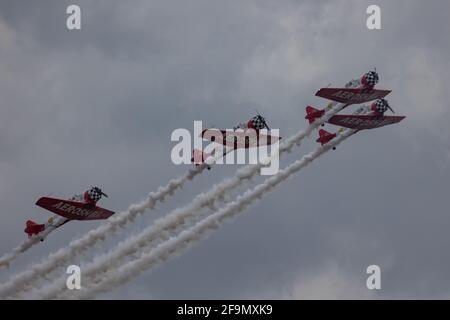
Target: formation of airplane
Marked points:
355	92
251	134
79	207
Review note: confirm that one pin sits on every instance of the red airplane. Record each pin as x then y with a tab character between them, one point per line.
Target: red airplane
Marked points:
355	91
79	207
243	136
372	118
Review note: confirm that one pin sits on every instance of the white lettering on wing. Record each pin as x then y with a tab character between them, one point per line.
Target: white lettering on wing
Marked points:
65	207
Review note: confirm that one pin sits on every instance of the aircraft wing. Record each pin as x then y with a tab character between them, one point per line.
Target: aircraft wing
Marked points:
73	210
352	95
215	135
361	122
239	139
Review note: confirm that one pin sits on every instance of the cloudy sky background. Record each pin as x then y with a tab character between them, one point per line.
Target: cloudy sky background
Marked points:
97	107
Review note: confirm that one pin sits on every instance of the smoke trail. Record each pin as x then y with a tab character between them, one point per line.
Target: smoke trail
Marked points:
93	271
175	245
19	281
160	230
7	258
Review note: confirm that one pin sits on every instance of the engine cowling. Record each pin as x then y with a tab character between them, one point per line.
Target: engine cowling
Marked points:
93	195
380	106
257	123
370	79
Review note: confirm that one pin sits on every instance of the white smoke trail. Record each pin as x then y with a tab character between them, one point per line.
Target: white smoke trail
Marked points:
21	281
95	270
7	258
182	216
160	230
175	245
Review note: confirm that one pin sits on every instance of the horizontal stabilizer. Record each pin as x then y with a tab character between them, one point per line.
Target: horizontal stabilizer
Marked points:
32	228
325	136
323	133
312	114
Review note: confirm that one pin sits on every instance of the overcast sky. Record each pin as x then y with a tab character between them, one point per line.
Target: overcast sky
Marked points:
97	107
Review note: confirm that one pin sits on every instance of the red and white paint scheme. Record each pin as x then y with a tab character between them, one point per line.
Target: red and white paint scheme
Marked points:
373	118
32	228
79	207
325	136
355	91
366	117
352	95
243	136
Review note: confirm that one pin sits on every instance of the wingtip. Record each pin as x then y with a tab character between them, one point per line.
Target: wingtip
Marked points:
39	201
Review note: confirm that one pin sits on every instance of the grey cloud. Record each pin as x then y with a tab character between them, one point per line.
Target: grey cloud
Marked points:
97	106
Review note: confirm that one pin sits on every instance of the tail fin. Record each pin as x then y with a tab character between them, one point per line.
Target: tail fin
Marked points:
198	156
310	110
33	228
323	133
312	114
30	223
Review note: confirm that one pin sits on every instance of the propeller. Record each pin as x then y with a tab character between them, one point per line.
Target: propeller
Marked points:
262	119
389	107
386	103
375	70
98	190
